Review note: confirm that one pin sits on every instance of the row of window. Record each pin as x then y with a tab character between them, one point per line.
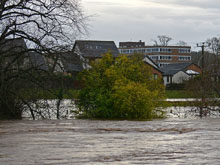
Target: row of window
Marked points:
163	64
184	50
161	57
184	58
132	46
93	47
166	50
154	57
166	57
152	50
130	51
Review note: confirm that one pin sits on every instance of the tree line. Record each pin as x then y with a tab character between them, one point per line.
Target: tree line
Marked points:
47	27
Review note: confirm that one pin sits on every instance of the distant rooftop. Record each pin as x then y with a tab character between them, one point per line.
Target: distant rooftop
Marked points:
141	44
38	61
149	61
131	44
95	49
71	62
13	45
172	69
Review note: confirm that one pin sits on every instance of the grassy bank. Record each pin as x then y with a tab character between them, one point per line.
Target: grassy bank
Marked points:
72	93
178	94
49	94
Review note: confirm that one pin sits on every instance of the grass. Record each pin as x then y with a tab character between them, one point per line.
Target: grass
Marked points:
178	94
46	94
72	93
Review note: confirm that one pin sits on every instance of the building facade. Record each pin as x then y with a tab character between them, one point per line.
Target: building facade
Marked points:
161	55
177	73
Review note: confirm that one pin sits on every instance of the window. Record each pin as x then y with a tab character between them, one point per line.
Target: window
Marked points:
98	47
184	50
130	51
184	58
155	76
124	51
165	58
154	57
168	79
155	50
163	64
149	50
166	50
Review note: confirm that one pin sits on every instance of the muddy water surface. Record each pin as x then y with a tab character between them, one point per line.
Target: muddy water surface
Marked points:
169	141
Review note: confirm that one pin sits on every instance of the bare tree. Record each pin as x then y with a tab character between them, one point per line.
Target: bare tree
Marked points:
214	45
181	43
45	27
162	40
207	85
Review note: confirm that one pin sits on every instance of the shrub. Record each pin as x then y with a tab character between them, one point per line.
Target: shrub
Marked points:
121	88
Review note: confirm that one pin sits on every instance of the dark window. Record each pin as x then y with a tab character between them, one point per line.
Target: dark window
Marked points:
168	79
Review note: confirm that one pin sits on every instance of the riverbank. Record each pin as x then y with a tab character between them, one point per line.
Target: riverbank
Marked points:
182	109
72	93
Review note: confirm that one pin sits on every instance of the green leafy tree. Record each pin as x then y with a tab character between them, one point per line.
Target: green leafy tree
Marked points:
120	88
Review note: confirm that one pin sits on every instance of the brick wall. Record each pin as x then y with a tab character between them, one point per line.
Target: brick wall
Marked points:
194	68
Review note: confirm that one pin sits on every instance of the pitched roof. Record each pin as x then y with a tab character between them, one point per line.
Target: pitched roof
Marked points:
37	60
172	69
95	49
149	61
14	45
71	62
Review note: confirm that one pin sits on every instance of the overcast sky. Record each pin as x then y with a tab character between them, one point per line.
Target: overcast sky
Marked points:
192	21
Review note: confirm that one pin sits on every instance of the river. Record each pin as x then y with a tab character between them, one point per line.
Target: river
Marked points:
170	141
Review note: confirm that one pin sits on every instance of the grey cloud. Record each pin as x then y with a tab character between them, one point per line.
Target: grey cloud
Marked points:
205	4
192	21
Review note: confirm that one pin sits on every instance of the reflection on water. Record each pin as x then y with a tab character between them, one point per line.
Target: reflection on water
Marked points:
168	141
48	110
192	112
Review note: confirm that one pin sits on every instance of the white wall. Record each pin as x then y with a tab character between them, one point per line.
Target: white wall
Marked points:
179	77
165	80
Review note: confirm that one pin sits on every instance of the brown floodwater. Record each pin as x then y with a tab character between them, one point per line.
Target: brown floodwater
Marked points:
89	142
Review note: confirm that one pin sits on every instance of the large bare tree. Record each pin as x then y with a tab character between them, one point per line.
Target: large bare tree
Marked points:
181	43
43	27
213	45
162	40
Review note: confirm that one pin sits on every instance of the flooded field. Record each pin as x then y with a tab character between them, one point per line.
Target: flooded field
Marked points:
86	142
48	110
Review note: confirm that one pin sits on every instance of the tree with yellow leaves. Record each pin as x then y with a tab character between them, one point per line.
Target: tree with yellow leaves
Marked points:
120	88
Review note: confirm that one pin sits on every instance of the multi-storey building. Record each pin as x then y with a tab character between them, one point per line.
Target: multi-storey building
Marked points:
161	55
